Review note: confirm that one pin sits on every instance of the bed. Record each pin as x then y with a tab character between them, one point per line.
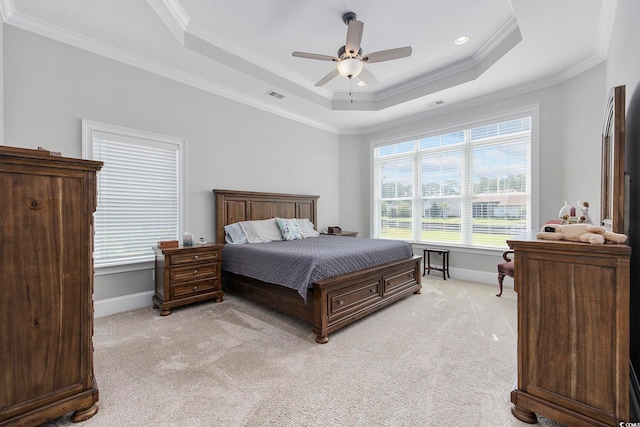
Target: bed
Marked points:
330	303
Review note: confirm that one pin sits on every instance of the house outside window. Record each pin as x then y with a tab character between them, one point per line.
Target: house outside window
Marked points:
469	186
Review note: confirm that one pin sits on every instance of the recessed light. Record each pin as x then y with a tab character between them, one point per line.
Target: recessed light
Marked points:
461	40
361	83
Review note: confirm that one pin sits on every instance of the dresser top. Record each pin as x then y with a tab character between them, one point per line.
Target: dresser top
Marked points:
27	156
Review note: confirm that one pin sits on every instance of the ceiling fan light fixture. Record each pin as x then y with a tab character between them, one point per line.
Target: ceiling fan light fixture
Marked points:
350	67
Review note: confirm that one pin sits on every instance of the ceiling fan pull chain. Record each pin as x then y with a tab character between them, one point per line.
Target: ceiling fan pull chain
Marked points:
351	89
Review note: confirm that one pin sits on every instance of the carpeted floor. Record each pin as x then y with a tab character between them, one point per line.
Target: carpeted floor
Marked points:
442	358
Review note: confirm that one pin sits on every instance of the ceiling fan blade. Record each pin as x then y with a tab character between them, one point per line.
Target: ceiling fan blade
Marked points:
328	77
354	37
315	56
366	76
387	55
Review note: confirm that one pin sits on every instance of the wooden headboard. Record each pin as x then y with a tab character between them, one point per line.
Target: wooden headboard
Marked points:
233	206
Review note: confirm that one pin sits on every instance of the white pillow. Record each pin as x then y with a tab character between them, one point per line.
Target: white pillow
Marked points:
261	231
307	228
234	234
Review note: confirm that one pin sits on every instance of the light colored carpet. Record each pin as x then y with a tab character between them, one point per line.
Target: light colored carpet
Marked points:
442	358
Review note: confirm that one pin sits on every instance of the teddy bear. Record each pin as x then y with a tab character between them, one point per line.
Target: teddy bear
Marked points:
587	233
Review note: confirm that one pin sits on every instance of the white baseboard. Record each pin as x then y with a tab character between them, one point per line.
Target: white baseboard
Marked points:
475	276
109	306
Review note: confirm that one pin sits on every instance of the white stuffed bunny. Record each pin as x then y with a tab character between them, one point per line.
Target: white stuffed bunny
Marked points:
587	233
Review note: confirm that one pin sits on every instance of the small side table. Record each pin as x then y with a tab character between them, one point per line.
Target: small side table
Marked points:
445	262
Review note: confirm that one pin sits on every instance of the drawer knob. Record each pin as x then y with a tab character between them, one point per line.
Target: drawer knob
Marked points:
195	271
340	302
195	287
372	290
195	257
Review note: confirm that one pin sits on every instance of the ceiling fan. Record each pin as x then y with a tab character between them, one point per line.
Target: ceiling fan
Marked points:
350	58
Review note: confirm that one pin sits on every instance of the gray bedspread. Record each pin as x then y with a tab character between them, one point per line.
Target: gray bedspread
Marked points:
297	264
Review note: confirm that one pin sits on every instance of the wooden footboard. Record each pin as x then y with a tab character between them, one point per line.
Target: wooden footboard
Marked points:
336	302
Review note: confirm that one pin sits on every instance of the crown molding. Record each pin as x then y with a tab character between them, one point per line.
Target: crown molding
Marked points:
605	27
176	10
183	27
443	78
507	37
172	16
206	41
480	100
65	36
581	67
256	65
7	8
45	29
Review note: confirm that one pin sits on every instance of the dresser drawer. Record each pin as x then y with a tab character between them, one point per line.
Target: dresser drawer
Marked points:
200	256
347	301
193	272
398	282
193	288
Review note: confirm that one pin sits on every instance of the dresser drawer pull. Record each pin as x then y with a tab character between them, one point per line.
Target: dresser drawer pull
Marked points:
195	287
195	257
372	290
195	271
340	302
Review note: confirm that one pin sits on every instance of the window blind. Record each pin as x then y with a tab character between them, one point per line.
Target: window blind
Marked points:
138	196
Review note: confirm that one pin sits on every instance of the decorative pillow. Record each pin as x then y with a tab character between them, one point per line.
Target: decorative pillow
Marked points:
290	228
307	228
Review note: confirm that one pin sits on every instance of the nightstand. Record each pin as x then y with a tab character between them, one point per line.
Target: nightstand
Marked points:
186	275
343	233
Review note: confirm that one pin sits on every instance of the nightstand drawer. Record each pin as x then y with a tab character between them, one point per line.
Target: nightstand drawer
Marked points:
180	291
201	256
194	272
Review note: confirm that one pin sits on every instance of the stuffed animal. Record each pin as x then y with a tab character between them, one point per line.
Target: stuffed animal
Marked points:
587	233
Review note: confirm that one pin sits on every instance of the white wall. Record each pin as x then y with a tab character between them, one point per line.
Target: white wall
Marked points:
1	87
568	168
582	105
623	60
50	87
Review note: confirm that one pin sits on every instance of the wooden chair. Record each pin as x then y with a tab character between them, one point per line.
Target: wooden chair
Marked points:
505	269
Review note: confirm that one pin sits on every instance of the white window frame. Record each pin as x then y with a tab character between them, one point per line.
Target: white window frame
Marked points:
89	128
533	214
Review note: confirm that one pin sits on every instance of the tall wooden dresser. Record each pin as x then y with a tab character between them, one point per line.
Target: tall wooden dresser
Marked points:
573	332
46	272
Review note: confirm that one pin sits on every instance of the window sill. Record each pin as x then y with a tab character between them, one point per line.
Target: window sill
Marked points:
123	268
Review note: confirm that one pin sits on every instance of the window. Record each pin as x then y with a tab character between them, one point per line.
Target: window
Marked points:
139	192
469	186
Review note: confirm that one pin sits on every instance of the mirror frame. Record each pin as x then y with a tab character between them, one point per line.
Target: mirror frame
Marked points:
612	192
